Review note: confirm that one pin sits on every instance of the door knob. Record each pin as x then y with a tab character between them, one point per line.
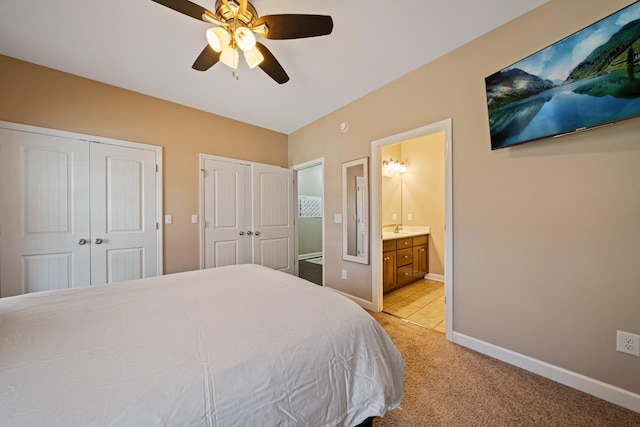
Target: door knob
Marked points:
98	241
257	233
82	242
241	233
249	233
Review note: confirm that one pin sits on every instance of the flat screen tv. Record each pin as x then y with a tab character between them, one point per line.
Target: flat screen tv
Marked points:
585	80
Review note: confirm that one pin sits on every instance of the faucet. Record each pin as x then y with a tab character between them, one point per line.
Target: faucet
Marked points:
397	229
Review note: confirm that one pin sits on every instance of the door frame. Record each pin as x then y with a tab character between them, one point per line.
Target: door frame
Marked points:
444	126
122	143
305	165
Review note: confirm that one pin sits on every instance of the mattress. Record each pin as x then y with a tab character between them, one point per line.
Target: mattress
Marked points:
229	346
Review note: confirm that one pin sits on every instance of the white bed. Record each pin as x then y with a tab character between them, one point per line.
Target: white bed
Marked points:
230	346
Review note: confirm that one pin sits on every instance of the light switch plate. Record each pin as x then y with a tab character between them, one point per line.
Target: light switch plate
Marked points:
168	219
338	219
194	219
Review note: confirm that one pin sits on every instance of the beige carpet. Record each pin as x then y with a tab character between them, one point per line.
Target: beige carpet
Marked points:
448	385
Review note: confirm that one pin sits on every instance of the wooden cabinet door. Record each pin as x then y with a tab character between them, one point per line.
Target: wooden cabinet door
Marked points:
420	261
388	271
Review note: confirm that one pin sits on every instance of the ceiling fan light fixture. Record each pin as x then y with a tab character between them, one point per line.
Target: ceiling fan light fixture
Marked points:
253	57
235	26
218	38
230	57
245	39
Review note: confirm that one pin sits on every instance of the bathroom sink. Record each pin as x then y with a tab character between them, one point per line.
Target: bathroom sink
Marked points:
391	235
404	233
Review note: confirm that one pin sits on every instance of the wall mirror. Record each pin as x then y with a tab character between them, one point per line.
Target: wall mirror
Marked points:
391	199
355	211
392	169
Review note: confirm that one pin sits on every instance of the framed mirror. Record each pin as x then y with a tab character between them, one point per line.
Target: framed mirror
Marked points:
355	211
391	199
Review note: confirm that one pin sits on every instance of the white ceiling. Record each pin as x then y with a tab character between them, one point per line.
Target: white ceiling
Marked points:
145	47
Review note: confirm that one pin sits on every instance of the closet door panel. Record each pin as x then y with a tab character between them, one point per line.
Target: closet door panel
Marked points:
274	210
227	213
45	224
123	218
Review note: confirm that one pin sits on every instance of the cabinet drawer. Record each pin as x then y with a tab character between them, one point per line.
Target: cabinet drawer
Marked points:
388	245
421	240
405	256
405	275
406	242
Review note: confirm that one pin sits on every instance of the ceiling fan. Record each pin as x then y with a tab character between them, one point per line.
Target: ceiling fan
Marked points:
237	22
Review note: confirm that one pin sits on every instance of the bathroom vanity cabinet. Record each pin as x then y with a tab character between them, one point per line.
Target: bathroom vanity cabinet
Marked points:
404	260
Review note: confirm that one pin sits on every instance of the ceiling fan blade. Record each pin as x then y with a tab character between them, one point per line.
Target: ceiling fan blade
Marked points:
290	26
207	59
271	66
186	7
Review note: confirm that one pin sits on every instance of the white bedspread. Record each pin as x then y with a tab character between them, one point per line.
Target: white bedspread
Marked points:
231	346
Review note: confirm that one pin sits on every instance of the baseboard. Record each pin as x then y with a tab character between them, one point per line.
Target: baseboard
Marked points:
367	305
436	277
591	386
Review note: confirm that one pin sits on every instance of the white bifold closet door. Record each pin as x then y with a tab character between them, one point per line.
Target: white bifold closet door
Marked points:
248	214
74	213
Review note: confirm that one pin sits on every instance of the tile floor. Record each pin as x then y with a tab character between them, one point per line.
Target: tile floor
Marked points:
420	302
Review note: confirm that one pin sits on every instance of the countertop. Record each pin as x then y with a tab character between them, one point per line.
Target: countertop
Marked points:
418	231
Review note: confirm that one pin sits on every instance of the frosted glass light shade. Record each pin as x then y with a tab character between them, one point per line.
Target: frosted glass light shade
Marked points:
253	57
230	57
245	39
218	38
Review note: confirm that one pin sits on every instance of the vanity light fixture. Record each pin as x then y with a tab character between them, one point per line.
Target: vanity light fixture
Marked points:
394	165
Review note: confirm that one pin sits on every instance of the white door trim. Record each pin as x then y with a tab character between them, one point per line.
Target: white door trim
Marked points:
376	206
93	138
311	163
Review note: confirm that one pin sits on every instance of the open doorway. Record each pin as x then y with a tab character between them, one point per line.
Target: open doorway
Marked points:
413	230
310	241
440	235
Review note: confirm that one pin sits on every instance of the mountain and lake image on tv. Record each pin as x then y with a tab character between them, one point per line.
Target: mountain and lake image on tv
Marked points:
587	79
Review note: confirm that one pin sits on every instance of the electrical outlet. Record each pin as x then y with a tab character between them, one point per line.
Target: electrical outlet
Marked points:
344	274
628	343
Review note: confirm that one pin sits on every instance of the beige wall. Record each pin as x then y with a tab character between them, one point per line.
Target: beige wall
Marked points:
423	194
43	97
545	234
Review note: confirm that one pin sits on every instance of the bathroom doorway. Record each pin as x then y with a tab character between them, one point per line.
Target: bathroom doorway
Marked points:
426	154
310	240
